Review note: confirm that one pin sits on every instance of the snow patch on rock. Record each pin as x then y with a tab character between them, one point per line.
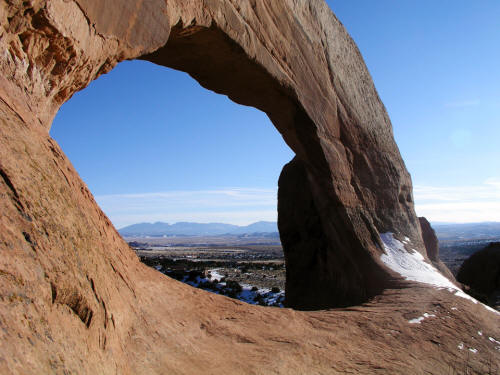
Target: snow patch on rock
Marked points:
413	267
493	340
421	318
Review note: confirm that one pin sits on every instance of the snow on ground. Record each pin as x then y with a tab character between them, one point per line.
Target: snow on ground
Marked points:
421	318
493	340
253	295
473	350
413	267
248	293
215	274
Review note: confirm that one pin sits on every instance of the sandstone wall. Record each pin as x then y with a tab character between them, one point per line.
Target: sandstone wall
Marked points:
293	60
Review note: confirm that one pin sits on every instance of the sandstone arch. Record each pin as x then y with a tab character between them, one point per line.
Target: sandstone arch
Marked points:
221	65
75	298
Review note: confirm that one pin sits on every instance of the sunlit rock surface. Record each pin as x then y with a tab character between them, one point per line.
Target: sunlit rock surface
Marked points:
75	299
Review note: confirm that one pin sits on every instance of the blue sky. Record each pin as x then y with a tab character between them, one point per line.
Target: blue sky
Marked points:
153	145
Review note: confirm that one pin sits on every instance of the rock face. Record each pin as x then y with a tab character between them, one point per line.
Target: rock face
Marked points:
75	299
431	244
319	273
430	239
481	272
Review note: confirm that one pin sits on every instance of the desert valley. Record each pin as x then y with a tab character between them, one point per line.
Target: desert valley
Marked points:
256	260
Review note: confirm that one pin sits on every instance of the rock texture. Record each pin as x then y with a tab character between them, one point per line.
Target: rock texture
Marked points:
319	273
481	272
431	241
75	299
431	244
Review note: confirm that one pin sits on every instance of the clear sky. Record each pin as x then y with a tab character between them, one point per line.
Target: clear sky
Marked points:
154	146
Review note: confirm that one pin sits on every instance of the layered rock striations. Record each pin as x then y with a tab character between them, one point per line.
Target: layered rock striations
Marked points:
75	299
431	244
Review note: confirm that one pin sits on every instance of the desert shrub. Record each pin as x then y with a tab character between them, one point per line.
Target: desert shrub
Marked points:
230	293
258	298
178	275
233	285
193	274
232	289
208	285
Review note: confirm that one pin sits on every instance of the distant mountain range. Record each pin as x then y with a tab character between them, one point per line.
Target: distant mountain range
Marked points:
470	231
196	229
444	231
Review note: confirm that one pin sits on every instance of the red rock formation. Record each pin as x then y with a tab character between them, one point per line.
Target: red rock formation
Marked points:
431	244
430	239
75	299
481	272
320	273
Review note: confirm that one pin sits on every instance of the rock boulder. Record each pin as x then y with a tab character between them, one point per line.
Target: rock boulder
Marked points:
431	244
481	272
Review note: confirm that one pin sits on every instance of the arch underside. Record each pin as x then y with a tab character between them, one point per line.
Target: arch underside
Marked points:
337	272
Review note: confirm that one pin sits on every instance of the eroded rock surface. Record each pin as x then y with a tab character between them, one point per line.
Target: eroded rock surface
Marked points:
431	241
319	273
75	299
431	244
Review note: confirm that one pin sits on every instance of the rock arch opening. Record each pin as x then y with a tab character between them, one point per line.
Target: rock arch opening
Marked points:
307	76
188	157
327	264
75	299
144	129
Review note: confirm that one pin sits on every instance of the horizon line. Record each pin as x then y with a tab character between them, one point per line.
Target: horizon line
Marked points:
267	221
